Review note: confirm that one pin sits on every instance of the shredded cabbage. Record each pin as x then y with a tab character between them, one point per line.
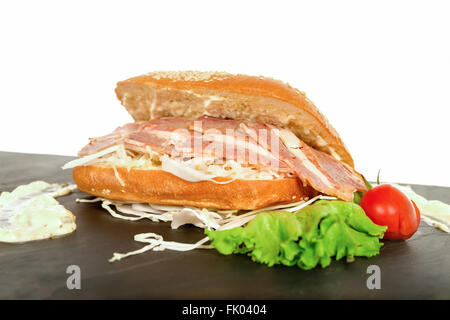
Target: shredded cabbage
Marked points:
194	170
208	219
89	158
157	243
182	171
118	176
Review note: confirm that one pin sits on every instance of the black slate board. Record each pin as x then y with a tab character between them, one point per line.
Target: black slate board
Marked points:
415	269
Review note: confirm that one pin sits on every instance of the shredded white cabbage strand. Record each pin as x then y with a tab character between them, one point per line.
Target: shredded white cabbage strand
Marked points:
157	243
185	172
181	215
193	170
89	158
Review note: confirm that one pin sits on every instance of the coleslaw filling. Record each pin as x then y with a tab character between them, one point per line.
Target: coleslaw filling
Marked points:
193	170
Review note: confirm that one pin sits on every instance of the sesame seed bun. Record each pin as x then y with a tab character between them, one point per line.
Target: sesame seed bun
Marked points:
192	94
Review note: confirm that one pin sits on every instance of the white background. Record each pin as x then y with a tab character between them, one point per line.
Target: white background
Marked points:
379	70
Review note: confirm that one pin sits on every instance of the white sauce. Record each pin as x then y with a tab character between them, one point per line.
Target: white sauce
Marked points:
30	212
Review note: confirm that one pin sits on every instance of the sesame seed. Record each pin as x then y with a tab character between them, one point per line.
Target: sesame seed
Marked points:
188	75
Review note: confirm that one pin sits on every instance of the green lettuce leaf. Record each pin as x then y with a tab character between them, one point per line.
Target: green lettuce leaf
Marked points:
312	236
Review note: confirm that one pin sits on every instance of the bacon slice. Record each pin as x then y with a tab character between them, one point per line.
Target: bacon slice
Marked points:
318	169
136	135
116	137
247	143
259	144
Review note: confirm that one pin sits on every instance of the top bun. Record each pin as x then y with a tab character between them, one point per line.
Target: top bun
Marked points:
192	94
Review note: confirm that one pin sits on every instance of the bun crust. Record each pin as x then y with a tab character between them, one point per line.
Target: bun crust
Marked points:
160	187
192	94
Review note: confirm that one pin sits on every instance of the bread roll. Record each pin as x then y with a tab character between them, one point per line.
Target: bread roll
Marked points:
160	187
193	94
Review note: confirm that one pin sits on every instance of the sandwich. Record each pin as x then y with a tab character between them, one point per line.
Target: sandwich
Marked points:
219	141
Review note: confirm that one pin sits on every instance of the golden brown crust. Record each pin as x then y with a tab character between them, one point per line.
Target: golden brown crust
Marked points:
159	187
241	97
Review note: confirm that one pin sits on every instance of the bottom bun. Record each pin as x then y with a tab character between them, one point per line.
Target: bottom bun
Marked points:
160	187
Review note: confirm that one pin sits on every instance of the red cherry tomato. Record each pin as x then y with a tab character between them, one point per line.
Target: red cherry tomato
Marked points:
387	206
417	213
